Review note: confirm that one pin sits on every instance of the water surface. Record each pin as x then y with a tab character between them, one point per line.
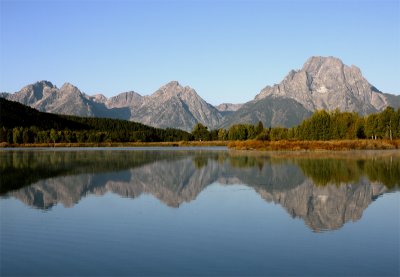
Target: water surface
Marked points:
197	211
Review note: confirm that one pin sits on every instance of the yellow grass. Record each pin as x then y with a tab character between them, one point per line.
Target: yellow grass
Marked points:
284	145
331	145
121	144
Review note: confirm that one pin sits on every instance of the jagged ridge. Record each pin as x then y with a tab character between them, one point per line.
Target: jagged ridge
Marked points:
322	83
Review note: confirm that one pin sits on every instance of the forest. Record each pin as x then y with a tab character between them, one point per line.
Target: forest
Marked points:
322	125
20	124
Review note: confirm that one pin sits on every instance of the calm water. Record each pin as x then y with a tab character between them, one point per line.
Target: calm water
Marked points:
198	212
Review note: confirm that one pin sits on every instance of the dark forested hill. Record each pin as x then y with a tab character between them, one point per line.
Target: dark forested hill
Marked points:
14	115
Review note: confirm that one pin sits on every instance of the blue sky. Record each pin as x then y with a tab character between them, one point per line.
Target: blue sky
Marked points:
227	50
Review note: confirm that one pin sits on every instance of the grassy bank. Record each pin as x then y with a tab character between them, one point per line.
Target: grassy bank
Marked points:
281	145
120	144
331	145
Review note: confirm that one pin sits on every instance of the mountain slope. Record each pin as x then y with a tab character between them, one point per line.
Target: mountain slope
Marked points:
393	100
14	114
271	111
228	108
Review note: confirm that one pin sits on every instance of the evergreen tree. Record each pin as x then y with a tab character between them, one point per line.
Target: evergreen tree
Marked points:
259	128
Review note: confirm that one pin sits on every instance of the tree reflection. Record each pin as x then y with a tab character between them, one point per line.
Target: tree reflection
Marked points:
337	171
326	191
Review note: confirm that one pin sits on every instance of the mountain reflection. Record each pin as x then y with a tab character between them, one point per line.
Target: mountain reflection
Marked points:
325	190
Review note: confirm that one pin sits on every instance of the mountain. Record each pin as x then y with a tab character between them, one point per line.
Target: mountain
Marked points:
326	83
393	100
271	111
175	105
67	100
228	108
46	97
125	99
171	106
322	83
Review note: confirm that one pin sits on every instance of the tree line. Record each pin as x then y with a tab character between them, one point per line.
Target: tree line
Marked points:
22	124
18	135
322	125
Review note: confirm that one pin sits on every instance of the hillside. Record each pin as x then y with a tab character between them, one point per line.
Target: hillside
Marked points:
270	111
13	114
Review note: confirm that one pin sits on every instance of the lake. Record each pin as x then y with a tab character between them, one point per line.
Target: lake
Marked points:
198	211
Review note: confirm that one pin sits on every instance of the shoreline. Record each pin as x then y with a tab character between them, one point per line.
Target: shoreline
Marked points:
117	144
248	145
315	146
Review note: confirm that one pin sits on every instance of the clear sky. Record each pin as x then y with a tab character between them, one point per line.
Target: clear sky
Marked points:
227	50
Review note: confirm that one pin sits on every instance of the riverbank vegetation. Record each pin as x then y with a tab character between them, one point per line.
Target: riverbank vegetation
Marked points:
329	145
183	143
324	126
24	126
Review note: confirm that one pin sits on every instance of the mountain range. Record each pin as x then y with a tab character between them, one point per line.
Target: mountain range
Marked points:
322	83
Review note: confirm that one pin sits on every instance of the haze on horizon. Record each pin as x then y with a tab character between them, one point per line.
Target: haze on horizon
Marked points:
226	50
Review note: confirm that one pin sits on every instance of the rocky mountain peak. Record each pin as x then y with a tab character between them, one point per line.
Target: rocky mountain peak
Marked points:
325	69
43	84
32	93
327	83
170	89
173	105
99	98
174	88
171	86
318	65
38	87
315	63
126	99
69	88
